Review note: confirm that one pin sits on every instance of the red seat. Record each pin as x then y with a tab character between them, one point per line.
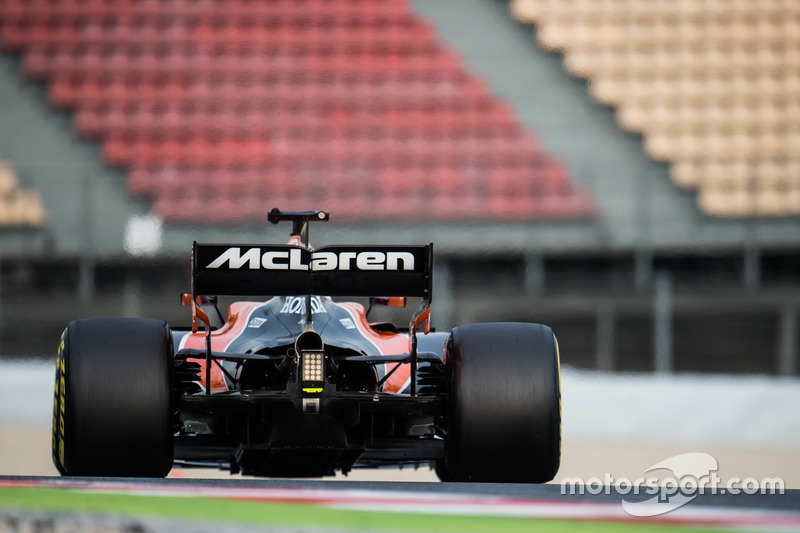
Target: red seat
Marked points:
88	122
513	207
116	152
355	102
189	206
141	181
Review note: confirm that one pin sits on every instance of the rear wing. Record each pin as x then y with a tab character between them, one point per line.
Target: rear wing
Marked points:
291	270
286	270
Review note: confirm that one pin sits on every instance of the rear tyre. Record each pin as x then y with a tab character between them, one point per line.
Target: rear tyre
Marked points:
112	410
504	404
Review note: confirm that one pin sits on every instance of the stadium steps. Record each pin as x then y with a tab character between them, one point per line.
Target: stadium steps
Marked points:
639	205
300	57
712	87
544	97
609	161
85	210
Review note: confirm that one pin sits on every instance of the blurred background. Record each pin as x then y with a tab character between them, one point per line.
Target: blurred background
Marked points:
625	171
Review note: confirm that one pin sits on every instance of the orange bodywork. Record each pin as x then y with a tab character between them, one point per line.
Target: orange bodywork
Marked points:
388	343
220	340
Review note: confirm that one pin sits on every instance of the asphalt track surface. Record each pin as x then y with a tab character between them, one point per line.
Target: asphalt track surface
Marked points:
751	512
789	500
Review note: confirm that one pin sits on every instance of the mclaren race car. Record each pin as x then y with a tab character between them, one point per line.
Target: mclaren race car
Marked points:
295	383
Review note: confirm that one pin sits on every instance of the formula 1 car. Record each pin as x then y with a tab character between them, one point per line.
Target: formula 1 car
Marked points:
300	385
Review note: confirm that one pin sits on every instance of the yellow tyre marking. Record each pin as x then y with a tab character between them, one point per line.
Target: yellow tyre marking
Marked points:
59	404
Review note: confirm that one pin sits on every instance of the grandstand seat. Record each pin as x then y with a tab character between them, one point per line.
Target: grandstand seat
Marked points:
732	202
88	123
686	172
19	207
708	84
349	100
527	10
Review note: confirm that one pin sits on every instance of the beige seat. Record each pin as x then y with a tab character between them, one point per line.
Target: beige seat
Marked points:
726	202
712	85
686	173
18	207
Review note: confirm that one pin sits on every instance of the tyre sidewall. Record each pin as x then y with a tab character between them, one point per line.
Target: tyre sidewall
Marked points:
504	403
114	398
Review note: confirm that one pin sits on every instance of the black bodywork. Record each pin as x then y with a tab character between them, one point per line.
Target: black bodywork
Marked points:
269	419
